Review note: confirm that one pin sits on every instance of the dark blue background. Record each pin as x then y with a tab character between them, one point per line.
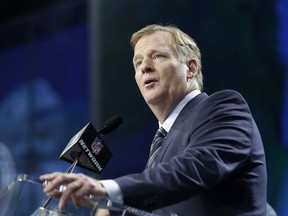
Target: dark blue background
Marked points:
45	93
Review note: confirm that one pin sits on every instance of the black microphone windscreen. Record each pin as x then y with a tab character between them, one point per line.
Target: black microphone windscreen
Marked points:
111	124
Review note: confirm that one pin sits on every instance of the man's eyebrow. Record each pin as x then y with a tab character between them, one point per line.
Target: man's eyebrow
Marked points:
136	57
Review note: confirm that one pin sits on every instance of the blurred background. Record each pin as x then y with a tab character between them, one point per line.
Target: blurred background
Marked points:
64	63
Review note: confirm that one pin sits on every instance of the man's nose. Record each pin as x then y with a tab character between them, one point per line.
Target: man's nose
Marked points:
147	66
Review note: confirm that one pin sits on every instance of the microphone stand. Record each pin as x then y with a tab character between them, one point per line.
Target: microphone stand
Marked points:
70	170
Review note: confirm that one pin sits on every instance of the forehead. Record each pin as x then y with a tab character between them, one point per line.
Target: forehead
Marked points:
156	40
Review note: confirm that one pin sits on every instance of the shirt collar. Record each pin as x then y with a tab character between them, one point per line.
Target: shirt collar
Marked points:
174	114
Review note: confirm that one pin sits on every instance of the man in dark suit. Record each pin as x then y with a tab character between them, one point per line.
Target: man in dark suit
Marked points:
209	158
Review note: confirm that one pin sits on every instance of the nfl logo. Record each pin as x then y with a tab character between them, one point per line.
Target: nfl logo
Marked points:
96	146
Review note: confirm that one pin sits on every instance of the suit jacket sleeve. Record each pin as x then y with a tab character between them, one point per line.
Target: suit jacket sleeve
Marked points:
210	139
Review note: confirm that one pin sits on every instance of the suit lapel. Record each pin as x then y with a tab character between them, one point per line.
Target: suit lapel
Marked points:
182	117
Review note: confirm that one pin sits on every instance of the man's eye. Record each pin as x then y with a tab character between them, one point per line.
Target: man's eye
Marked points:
157	56
138	63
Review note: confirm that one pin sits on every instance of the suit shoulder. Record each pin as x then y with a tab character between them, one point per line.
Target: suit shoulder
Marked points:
227	96
227	93
225	100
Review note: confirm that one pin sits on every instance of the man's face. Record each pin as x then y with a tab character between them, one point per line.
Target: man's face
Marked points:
160	74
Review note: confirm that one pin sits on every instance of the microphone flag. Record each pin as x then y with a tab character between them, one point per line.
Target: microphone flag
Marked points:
91	149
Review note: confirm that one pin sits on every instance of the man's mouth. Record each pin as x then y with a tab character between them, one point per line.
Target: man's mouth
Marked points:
149	82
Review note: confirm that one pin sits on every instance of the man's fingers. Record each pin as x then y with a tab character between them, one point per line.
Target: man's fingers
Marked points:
71	189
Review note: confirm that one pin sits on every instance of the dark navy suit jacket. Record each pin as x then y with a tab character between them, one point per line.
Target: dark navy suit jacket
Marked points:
211	163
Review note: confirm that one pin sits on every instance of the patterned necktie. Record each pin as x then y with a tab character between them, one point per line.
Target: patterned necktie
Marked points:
155	146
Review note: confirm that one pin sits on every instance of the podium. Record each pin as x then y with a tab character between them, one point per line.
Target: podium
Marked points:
24	196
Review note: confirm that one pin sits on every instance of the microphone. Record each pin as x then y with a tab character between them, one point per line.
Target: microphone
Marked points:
110	125
87	149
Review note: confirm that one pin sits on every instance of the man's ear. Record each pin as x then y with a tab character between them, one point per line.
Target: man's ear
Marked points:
192	68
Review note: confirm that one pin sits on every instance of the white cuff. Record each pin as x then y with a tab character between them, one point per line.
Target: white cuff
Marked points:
113	190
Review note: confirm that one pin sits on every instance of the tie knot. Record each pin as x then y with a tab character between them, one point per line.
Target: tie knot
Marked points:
161	132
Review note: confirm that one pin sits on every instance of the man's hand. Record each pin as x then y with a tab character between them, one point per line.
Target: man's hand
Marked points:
72	186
